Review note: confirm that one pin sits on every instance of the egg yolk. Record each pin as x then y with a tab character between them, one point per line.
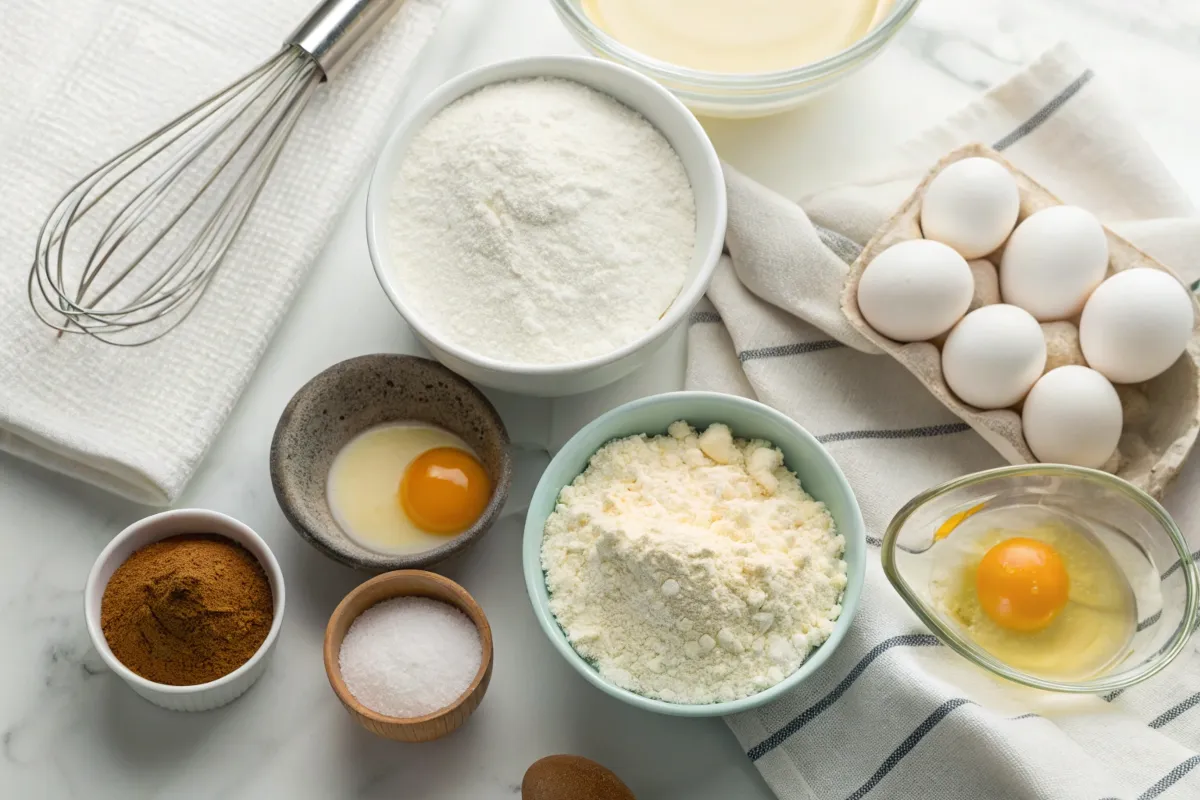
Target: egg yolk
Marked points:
444	490
1022	584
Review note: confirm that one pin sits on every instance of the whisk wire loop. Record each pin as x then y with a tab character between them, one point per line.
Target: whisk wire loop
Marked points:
163	138
127	253
148	230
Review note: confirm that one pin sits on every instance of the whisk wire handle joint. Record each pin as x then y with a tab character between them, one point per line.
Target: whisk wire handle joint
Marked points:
337	29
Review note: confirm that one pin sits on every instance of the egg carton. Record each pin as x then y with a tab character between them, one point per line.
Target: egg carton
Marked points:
1161	416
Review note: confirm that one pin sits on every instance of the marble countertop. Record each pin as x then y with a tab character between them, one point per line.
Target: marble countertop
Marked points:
68	728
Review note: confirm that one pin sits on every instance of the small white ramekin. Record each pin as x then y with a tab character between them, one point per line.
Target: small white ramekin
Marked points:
676	124
204	696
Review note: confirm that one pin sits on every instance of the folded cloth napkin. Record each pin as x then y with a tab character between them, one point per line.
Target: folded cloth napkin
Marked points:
892	713
84	80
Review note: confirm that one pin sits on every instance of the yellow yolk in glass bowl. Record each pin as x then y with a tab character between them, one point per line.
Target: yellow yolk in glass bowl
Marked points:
1047	599
1022	584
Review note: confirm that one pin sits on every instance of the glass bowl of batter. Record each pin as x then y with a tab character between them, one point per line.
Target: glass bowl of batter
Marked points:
737	58
1056	577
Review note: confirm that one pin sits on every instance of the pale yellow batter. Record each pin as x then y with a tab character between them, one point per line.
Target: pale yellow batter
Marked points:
737	36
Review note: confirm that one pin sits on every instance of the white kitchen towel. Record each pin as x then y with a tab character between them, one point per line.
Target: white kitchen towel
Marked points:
83	80
893	714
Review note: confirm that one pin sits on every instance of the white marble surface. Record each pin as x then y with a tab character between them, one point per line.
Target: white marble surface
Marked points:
68	728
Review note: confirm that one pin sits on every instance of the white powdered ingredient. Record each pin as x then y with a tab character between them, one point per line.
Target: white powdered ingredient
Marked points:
540	221
692	568
410	656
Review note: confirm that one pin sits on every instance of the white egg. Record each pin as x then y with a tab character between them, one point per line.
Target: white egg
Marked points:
915	290
1072	416
1053	261
1135	325
971	205
993	356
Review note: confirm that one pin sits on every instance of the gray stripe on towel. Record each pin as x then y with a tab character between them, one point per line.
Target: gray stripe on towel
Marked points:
1149	621
1175	711
1170	779
843	247
1171	570
914	738
780	736
703	316
1044	113
931	722
900	433
796	349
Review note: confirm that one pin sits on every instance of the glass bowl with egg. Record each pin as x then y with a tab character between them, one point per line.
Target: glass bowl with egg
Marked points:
727	59
1056	577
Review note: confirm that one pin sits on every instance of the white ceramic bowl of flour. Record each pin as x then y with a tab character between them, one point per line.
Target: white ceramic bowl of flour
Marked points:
677	126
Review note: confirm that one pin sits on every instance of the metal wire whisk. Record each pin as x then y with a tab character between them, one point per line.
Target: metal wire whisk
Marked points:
129	250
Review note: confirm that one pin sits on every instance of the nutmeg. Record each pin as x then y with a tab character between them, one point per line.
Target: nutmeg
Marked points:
566	777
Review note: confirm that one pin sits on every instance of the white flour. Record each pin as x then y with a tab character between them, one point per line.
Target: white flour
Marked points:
692	568
540	221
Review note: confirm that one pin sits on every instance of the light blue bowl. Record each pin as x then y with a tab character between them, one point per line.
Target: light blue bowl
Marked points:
803	454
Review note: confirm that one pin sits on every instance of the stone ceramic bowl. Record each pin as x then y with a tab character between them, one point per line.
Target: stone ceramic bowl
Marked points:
360	393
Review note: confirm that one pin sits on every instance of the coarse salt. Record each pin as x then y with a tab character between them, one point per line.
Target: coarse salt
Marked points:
410	656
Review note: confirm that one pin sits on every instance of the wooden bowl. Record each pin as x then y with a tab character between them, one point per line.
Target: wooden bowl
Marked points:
407	583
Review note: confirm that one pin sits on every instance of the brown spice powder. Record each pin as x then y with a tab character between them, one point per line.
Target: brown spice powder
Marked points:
187	610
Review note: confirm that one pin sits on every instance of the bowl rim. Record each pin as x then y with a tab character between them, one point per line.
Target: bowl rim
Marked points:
393	561
967	649
92	589
390	155
578	22
852	529
330	651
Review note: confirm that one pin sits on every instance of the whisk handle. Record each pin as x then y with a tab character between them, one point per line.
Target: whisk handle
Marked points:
337	29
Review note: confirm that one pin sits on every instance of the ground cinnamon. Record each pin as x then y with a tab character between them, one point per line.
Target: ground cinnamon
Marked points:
187	610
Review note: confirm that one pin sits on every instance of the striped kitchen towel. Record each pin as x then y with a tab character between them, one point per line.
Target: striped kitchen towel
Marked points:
893	714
